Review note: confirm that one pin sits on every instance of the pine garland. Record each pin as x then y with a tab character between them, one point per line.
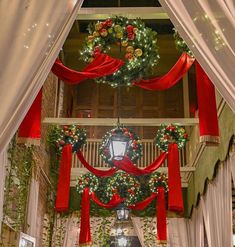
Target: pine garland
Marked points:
125	185
87	180
68	134
158	180
180	44
171	133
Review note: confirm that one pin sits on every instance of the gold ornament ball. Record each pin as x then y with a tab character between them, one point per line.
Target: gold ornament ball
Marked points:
138	52
90	38
104	33
90	59
125	43
96	34
130	49
110	30
135	30
119	35
98	26
117	28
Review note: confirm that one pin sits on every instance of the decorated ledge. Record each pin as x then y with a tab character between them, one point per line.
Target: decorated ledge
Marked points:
125	121
207	159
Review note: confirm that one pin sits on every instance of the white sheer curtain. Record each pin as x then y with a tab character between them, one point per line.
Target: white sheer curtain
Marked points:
178	233
3	164
231	163
208	28
195	227
217	208
138	227
33	207
72	231
32	33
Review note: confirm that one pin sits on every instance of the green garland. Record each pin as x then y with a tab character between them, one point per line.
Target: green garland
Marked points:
87	180
125	185
180	44
134	151
158	180
68	134
139	42
17	185
171	133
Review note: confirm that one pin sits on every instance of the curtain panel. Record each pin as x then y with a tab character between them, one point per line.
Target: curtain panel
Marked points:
32	33
208	28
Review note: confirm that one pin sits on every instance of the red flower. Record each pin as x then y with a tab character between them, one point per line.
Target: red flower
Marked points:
130	29
65	127
62	142
128	56
108	22
97	50
131	36
185	136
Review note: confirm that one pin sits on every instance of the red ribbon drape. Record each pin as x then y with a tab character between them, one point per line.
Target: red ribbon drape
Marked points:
101	65
63	189
168	80
175	198
161	216
97	172
85	230
127	165
114	202
30	128
143	204
209	130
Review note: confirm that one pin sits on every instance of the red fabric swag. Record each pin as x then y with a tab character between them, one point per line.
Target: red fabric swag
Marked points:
114	202
63	189
161	216
85	230
127	165
101	65
209	129
30	128
175	198
142	205
168	80
97	172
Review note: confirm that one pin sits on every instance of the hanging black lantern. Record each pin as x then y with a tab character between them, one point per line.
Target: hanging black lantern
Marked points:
122	212
118	146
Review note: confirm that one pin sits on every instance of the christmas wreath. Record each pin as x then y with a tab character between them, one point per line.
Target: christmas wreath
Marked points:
125	185
134	150
138	41
68	134
87	180
158	180
171	133
180	44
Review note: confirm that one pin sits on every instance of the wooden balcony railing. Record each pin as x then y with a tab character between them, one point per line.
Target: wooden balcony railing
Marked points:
150	153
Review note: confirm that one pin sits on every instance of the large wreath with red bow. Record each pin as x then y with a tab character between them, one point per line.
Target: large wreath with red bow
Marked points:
132	36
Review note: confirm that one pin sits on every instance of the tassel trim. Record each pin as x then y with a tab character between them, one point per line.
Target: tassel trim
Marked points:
86	244
210	140
162	241
28	141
